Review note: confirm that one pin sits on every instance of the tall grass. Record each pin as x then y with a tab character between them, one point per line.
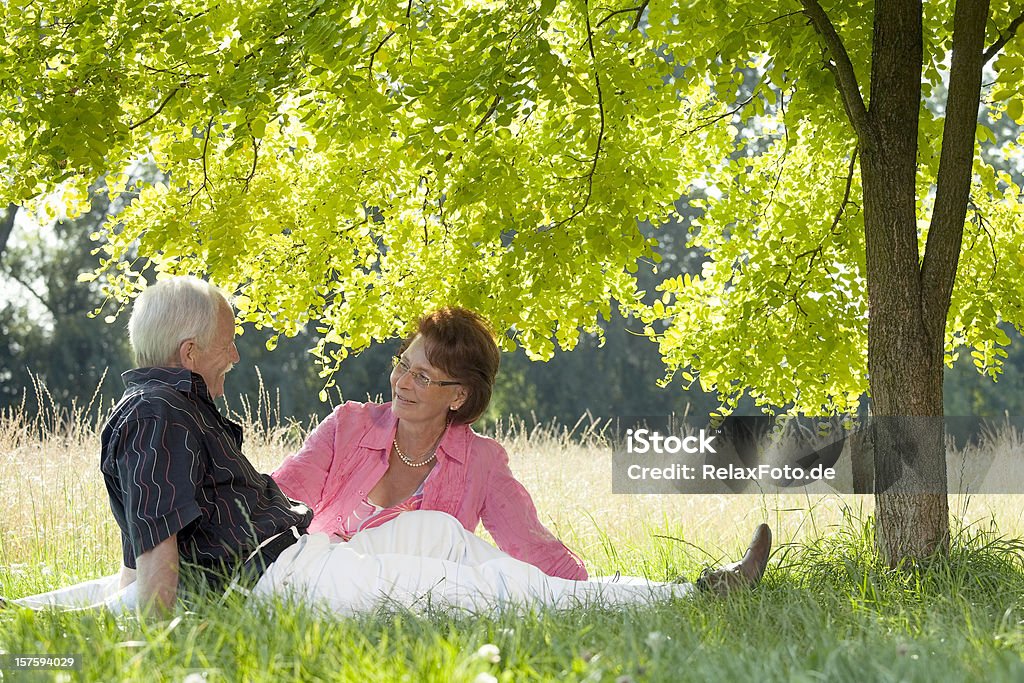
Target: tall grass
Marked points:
827	610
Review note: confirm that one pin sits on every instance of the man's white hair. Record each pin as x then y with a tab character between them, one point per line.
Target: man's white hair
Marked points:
170	312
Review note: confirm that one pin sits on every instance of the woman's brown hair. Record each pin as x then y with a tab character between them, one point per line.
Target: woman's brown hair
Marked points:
461	343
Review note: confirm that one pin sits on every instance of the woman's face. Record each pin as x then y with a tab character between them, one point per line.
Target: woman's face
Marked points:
416	403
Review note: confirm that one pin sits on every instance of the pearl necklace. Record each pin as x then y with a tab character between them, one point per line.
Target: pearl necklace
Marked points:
402	456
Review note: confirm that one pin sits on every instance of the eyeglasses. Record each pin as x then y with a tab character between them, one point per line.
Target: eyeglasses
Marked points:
422	381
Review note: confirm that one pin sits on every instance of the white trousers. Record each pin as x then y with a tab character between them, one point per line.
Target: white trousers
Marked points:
97	593
426	558
419	559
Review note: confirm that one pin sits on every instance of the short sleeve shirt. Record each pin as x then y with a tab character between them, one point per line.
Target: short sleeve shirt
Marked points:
172	464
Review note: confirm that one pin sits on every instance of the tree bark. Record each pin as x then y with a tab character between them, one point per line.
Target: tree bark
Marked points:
860	445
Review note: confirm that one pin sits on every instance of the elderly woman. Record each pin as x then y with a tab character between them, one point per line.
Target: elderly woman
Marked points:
367	463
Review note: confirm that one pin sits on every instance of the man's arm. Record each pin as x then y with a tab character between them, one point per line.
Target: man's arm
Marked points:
157	575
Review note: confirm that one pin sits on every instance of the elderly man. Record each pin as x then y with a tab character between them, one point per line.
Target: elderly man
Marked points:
184	495
179	486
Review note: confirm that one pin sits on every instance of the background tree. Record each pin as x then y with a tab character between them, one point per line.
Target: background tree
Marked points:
348	167
49	339
58	345
6	226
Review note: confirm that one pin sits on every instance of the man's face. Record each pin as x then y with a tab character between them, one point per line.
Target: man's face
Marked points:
216	359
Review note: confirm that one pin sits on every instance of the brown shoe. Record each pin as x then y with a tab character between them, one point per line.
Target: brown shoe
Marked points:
743	574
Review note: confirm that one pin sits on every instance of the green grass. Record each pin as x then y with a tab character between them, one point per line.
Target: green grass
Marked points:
826	611
828	614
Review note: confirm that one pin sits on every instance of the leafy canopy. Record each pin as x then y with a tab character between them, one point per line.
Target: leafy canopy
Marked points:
351	165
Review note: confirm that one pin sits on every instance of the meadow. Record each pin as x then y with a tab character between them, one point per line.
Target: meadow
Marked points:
826	611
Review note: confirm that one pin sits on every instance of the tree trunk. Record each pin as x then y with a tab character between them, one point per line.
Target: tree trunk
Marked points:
904	358
905	367
6	227
908	297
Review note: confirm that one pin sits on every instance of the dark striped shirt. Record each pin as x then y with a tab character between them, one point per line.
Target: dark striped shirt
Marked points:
173	464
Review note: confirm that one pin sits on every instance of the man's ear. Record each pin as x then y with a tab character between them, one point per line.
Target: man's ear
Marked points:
186	354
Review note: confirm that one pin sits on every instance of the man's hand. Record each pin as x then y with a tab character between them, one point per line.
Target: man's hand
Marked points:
157	574
127	577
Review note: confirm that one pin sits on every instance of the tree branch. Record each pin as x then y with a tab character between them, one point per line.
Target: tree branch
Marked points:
728	114
206	177
425	182
782	160
158	109
28	288
1004	38
153	69
237	63
639	16
639	9
255	158
373	55
817	252
772	21
846	194
842	67
489	114
408	15
981	223
600	132
953	181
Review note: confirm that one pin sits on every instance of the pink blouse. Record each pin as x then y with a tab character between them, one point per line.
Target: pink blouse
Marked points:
347	454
